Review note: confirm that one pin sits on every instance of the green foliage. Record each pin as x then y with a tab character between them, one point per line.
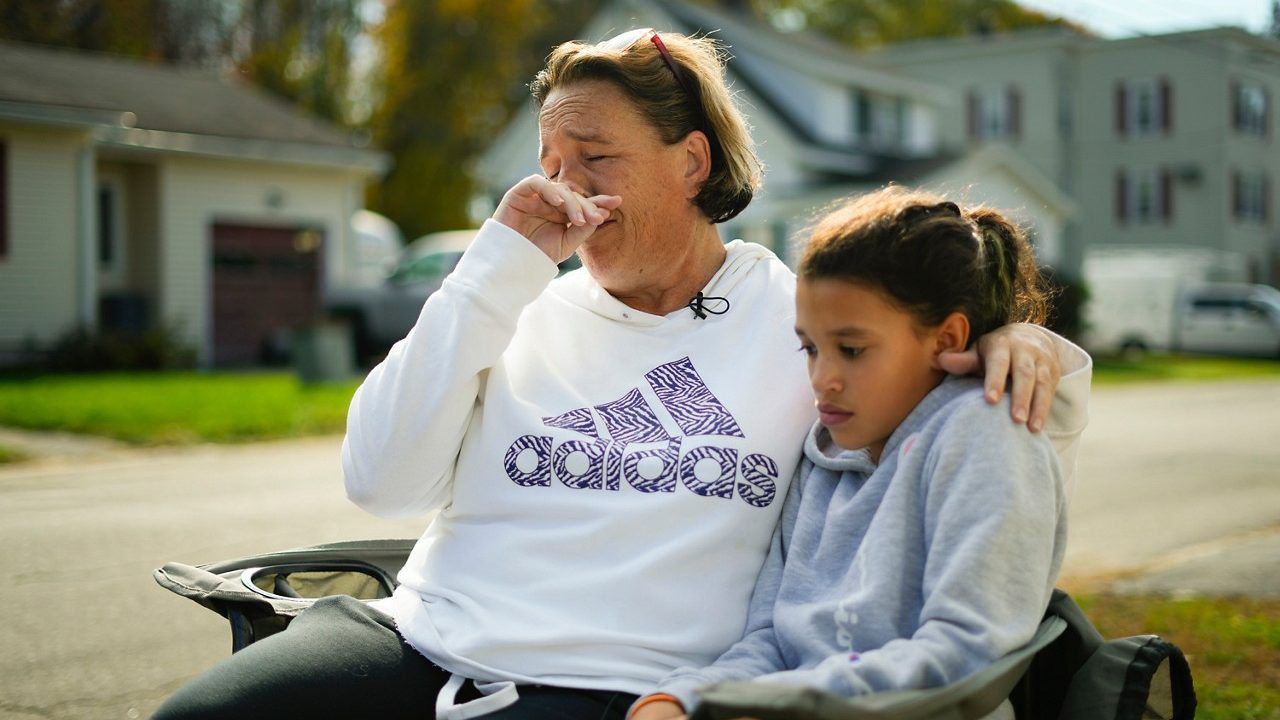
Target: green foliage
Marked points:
9	455
165	408
1182	368
301	50
81	351
450	75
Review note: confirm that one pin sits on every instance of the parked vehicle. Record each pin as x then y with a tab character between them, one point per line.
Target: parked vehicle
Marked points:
383	312
1229	318
1175	301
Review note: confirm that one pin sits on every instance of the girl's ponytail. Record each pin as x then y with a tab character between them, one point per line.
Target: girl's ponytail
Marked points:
1013	285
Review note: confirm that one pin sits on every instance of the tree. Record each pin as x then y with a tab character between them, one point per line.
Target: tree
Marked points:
448	79
301	50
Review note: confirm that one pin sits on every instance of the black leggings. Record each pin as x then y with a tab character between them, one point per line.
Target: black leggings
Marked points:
342	659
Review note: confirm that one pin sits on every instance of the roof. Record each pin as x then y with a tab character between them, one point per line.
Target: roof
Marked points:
145	103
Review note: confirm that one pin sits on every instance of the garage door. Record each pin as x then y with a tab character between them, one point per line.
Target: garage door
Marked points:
266	284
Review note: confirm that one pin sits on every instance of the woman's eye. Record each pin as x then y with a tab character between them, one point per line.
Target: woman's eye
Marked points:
809	350
849	351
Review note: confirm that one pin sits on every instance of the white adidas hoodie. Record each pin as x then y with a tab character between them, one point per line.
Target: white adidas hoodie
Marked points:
608	480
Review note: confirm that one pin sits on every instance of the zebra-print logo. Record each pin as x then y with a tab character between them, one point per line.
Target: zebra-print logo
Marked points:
629	440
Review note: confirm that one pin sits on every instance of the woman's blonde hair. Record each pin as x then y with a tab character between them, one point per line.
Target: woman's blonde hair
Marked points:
643	75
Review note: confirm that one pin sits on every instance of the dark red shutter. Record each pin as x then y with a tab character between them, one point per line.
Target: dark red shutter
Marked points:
1266	198
1166	105
1122	198
1266	112
1121	109
1235	194
4	200
1015	113
1233	101
1166	195
971	115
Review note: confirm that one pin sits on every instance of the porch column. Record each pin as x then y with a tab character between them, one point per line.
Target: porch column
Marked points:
87	230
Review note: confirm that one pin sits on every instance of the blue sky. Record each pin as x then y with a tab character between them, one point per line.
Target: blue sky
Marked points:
1123	18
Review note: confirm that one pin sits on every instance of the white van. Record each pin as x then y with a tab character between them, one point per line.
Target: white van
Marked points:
1229	319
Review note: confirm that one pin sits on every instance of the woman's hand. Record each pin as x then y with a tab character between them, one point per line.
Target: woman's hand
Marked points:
552	215
1023	352
659	710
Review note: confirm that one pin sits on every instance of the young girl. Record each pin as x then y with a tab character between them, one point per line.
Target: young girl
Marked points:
922	537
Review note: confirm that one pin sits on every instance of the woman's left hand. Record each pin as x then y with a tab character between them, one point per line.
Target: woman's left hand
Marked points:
1020	351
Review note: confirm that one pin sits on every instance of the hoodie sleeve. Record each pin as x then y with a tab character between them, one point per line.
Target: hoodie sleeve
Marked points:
994	539
757	653
408	419
1070	411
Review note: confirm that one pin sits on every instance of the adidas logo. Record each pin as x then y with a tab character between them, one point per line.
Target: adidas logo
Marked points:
626	441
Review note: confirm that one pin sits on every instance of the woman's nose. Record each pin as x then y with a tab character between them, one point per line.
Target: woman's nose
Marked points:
571	174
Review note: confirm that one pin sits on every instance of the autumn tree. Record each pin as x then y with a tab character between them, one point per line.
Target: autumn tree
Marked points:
450	74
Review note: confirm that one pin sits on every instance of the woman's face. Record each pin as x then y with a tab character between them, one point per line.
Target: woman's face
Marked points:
595	140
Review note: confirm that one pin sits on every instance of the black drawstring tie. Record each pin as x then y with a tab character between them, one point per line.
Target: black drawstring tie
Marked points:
700	308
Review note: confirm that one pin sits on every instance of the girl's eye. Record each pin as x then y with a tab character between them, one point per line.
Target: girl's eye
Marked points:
850	351
809	350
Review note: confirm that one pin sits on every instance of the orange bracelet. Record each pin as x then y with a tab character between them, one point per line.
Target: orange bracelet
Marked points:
652	699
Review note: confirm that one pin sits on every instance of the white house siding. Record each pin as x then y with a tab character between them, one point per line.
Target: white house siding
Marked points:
196	193
38	277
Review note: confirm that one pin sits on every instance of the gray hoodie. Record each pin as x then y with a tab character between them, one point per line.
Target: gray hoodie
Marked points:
910	574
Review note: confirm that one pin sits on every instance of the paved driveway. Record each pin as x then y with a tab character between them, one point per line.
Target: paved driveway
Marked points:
1177	479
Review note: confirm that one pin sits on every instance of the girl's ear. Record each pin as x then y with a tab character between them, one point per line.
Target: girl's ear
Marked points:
951	335
697	161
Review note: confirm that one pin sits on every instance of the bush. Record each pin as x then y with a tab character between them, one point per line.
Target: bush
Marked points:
83	351
1067	297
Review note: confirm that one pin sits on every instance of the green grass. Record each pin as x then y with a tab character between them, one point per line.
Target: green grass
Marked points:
168	408
1179	368
9	455
1233	646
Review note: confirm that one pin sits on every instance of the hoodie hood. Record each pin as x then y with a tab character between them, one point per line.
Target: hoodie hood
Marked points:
579	288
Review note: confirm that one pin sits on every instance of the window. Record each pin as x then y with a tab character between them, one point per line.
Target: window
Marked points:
879	121
861	115
1249	108
1144	196
1144	107
4	200
1250	196
994	114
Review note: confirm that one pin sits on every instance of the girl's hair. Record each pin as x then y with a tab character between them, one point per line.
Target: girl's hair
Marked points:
931	258
643	75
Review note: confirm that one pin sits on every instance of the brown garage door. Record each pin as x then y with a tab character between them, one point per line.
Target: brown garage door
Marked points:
266	284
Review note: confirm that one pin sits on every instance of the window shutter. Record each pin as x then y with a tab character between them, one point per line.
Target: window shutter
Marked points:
1166	105
1235	194
1233	100
1266	198
1015	113
1266	112
1166	194
1121	109
1122	197
971	115
4	200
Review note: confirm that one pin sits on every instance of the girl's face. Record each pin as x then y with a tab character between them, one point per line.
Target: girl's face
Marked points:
870	363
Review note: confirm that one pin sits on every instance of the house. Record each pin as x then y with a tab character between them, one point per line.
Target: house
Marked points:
135	196
827	125
1167	142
